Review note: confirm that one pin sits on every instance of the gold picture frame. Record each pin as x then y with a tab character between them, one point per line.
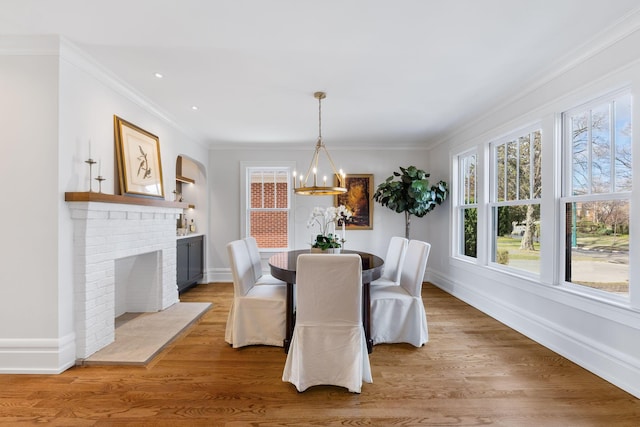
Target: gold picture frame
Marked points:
138	159
359	200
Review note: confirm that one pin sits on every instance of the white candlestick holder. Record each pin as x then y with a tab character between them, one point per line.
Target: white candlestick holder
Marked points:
90	162
99	178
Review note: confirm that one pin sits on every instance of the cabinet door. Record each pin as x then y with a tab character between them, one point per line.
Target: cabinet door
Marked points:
195	259
182	262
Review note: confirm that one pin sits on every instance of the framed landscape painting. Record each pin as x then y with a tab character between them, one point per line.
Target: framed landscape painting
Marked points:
359	200
138	159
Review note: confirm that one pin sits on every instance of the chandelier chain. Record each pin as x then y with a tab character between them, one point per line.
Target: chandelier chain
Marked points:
320	119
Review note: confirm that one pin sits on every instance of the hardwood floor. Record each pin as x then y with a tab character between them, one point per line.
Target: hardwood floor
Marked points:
473	371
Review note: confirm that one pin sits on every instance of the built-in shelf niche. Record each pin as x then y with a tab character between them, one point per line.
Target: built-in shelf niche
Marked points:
181	179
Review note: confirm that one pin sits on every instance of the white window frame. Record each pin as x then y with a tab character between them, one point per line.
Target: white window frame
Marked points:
245	169
568	197
460	204
494	204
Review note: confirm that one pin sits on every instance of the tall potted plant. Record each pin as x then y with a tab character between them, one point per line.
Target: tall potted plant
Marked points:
410	194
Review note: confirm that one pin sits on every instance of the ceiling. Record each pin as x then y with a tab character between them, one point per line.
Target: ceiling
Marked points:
396	72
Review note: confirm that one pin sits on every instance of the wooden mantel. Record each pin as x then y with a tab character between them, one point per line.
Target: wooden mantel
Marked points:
87	196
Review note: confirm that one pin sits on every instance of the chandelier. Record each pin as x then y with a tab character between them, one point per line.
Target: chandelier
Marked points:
302	186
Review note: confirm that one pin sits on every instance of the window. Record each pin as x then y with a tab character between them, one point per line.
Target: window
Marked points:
597	187
268	206
515	200
467	205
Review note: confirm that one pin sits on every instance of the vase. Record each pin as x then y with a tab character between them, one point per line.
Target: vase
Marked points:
325	251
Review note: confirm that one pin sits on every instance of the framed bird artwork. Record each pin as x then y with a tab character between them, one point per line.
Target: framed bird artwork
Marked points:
138	159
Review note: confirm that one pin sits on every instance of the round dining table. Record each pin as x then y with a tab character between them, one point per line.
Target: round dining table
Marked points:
283	267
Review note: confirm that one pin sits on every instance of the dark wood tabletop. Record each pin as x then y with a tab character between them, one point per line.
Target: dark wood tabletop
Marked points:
283	267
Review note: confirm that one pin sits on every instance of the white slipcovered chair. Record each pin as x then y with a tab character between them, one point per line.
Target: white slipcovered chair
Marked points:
256	262
397	312
257	314
328	345
393	262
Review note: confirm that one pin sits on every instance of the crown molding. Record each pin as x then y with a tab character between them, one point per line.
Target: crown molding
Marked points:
75	56
623	28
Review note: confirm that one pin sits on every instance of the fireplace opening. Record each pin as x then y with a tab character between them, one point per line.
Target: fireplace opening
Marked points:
138	284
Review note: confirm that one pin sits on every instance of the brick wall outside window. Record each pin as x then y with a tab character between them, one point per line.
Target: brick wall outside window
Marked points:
269	227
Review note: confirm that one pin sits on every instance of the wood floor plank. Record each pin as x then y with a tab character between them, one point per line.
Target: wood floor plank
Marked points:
473	371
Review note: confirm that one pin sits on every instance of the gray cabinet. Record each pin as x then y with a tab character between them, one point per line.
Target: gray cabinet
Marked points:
190	261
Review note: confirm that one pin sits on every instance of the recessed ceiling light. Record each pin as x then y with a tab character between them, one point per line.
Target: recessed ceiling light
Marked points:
158	75
194	107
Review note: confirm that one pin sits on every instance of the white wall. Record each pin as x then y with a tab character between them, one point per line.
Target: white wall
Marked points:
54	99
28	171
224	187
601	336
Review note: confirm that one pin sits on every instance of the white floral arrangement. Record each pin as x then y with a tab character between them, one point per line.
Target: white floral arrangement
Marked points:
325	218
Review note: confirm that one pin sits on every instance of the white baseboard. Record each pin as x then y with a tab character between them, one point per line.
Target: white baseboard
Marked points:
219	275
37	356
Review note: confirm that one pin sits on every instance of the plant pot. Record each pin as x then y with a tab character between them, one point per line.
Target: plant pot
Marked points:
325	251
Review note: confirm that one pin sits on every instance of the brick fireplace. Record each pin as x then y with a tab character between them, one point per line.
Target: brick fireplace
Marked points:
124	260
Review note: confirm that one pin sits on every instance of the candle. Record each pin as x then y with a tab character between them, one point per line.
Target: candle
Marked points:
294	179
315	177
324	179
99	167
89	147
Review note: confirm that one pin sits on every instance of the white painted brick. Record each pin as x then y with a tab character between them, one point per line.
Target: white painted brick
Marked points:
117	215
133	215
106	232
93	215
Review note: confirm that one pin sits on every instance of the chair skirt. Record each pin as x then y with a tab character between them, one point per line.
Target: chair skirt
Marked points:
397	317
258	317
328	358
